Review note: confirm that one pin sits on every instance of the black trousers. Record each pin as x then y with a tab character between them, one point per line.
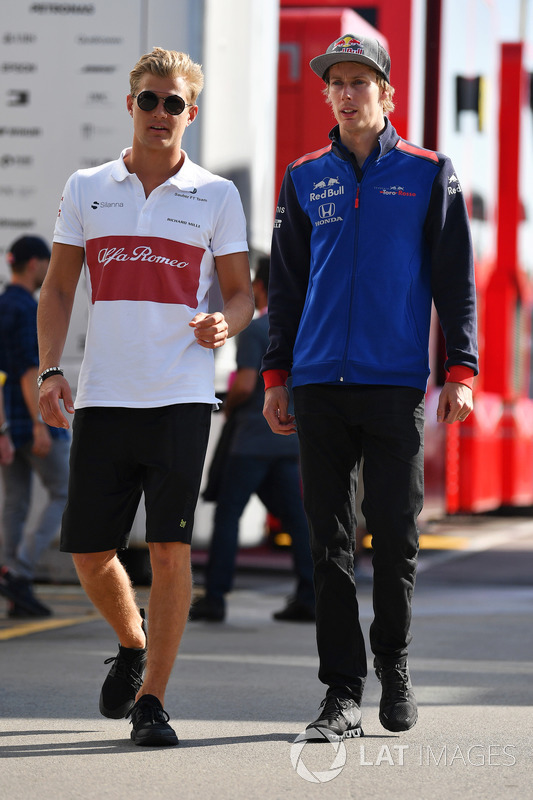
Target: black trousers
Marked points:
338	426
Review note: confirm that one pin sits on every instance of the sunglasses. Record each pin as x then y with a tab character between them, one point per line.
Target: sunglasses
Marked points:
173	104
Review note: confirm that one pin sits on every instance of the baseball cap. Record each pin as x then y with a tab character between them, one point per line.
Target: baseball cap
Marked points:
363	49
27	247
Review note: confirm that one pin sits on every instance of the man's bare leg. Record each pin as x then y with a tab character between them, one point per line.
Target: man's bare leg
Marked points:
170	600
109	588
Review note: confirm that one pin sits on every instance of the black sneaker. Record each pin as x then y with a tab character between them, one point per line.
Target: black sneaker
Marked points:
397	709
14	611
150	723
124	680
20	592
205	608
295	611
340	719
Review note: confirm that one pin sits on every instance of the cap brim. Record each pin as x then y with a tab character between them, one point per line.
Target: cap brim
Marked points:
321	64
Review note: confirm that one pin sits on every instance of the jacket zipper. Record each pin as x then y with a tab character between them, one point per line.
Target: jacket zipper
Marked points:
356	240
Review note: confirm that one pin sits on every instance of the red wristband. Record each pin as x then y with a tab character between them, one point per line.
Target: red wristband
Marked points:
275	377
461	374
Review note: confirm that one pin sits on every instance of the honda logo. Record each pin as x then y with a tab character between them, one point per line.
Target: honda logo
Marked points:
326	210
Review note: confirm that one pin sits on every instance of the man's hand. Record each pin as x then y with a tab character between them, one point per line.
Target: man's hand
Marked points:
211	330
7	451
455	403
276	411
42	441
53	390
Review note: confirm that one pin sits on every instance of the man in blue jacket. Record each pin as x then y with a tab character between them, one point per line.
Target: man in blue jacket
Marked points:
368	231
39	449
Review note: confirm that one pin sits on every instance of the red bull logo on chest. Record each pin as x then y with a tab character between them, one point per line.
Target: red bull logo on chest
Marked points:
327	187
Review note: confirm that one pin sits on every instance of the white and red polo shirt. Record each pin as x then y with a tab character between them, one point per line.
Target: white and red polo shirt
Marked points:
149	264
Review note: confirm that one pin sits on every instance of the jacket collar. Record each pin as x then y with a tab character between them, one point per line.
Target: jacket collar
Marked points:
386	141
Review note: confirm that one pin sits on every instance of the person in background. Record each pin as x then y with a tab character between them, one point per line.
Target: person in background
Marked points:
150	230
369	230
261	463
39	449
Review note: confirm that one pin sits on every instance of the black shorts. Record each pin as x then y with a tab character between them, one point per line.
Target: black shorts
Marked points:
119	453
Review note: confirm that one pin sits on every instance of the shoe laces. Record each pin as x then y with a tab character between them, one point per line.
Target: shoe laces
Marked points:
124	670
331	704
395	681
148	712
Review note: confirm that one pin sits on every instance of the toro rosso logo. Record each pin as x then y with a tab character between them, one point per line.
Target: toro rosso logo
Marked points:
348	45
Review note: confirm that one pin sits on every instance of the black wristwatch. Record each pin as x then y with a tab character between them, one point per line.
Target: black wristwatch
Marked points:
4	428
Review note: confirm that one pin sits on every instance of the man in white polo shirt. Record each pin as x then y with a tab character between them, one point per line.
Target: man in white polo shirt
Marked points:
149	231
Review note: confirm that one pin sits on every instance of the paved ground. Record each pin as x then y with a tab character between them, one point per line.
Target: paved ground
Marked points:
243	690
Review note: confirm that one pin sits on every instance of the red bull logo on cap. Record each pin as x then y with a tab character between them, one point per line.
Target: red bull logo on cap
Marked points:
348	45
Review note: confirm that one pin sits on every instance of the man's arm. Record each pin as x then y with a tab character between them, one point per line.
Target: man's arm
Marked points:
213	330
7	451
53	319
454	293
289	280
42	441
287	289
452	271
241	389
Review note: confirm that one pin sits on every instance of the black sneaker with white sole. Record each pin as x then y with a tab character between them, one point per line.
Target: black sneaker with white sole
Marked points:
150	723
124	680
397	709
340	718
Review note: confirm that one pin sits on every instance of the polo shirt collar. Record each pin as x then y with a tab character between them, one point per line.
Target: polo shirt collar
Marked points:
184	179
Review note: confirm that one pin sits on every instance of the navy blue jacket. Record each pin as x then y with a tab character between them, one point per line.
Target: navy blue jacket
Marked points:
357	257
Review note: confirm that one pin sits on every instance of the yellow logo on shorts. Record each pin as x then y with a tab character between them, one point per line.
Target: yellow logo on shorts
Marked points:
183	523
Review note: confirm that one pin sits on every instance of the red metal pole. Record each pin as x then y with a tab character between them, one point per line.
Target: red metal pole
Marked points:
503	288
432	86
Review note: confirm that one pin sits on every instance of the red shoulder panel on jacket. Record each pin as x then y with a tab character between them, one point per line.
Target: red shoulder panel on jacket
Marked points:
311	156
413	150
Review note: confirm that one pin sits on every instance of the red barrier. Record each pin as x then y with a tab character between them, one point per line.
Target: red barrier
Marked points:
474	458
517	453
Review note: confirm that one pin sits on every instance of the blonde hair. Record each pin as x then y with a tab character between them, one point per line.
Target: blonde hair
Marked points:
388	103
168	64
383	85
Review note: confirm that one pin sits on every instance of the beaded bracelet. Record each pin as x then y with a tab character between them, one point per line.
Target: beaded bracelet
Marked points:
47	373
